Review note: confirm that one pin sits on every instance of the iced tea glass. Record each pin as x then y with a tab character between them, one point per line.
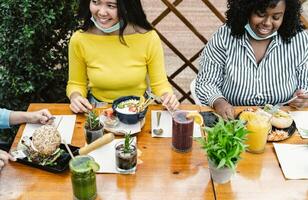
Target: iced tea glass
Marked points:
182	131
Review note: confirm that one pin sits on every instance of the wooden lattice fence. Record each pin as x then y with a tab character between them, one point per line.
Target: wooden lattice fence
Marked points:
188	62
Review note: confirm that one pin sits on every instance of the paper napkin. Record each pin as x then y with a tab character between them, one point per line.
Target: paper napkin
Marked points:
105	157
166	124
65	124
300	118
293	160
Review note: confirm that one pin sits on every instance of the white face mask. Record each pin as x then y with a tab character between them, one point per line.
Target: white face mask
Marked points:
255	36
106	30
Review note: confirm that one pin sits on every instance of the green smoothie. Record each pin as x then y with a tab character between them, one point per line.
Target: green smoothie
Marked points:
83	177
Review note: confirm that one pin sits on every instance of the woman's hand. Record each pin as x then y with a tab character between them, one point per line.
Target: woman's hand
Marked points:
170	101
42	116
4	158
79	104
223	108
301	101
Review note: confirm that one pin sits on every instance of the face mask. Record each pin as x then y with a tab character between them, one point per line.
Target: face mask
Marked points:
106	30
255	36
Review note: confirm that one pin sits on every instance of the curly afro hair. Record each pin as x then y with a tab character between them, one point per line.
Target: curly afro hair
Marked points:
239	11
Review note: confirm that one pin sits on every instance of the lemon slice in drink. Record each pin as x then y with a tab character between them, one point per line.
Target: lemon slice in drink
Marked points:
252	116
82	164
94	165
247	116
196	117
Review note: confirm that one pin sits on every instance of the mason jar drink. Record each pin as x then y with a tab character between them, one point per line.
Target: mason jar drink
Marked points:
257	136
83	178
182	131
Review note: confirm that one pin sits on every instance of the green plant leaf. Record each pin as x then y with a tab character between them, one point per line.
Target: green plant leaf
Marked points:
33	51
93	165
128	140
221	163
92	121
225	142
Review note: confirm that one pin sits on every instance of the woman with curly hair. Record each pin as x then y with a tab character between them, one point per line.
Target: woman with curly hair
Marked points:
112	55
260	56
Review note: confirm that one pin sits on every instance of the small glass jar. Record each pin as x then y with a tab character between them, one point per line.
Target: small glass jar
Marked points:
126	162
83	178
111	122
92	135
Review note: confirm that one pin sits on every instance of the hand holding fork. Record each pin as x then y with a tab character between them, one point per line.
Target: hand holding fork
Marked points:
298	94
168	100
299	100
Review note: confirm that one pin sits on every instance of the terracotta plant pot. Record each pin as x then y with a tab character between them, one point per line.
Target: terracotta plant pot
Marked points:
221	175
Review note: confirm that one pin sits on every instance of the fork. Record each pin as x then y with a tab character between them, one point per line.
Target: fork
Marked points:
157	98
279	105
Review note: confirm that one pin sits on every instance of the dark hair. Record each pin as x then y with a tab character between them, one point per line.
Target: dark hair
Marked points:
239	11
129	11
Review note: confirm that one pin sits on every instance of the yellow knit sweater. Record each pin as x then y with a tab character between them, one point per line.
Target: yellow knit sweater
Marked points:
110	69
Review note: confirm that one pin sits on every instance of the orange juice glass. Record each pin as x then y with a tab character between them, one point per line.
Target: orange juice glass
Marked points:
259	129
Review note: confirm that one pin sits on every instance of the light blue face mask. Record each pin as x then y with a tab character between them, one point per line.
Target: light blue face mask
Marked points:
106	30
255	36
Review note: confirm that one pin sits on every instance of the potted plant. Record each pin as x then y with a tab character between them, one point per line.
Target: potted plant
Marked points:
93	127
223	145
126	155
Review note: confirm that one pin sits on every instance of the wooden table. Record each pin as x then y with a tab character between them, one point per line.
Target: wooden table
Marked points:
258	176
164	173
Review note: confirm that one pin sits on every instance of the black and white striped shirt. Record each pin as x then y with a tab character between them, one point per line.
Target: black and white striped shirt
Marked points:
228	69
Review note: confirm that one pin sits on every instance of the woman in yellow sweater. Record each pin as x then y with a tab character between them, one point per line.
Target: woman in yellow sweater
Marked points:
112	55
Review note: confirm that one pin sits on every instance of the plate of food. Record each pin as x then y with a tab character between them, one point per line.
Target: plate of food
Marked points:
283	125
57	166
114	125
44	150
278	134
127	114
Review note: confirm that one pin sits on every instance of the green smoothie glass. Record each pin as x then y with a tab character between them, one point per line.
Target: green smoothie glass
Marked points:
83	177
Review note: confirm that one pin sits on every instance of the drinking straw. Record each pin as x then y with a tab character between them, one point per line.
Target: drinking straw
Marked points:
63	140
59	122
68	149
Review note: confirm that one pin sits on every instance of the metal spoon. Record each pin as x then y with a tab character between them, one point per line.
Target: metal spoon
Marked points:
158	131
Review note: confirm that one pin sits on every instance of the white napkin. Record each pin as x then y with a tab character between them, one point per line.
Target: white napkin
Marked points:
166	124
121	127
300	118
105	157
293	160
65	127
